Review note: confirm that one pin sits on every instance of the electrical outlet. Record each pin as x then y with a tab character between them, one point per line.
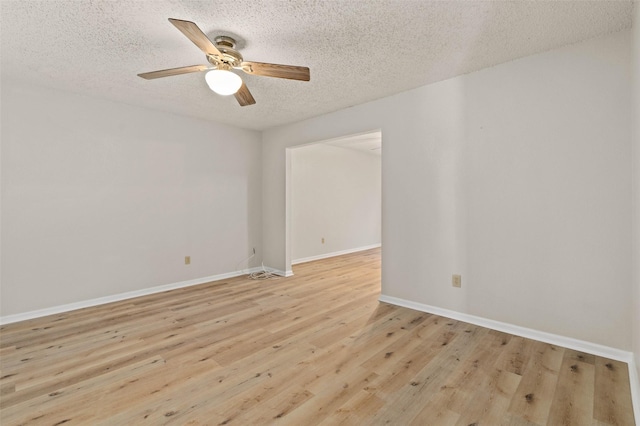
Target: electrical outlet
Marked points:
187	260
456	280
322	240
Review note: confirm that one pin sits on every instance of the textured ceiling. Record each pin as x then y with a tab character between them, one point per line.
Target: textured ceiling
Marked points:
357	51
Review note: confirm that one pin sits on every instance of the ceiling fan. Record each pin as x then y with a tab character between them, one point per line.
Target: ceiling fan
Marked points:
224	57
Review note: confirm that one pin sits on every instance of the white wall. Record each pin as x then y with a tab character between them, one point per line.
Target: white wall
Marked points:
636	186
336	195
516	176
101	198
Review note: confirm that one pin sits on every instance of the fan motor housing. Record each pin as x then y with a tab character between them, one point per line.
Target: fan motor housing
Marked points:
230	56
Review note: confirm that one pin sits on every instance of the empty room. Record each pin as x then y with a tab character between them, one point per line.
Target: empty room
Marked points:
399	212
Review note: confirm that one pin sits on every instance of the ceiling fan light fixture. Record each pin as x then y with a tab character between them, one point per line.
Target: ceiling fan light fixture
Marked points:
223	82
223	57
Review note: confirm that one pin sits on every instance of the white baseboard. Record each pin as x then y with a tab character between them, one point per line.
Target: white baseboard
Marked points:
333	254
280	272
8	319
554	339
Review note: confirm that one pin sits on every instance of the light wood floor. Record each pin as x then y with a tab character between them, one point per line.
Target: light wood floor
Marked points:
313	349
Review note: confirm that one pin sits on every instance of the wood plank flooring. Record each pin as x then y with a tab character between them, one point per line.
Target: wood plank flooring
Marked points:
314	349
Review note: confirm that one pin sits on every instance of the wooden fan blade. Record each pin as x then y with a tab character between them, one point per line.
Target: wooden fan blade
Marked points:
244	96
195	34
173	71
274	70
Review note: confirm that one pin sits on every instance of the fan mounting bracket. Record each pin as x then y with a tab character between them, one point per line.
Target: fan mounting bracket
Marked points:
229	57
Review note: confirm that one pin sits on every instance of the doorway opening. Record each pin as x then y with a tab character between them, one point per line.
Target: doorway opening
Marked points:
334	197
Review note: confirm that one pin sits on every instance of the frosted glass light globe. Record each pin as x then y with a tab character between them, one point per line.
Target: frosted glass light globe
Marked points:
223	82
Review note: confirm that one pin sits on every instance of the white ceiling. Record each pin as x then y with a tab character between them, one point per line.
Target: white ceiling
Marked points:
357	50
371	143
